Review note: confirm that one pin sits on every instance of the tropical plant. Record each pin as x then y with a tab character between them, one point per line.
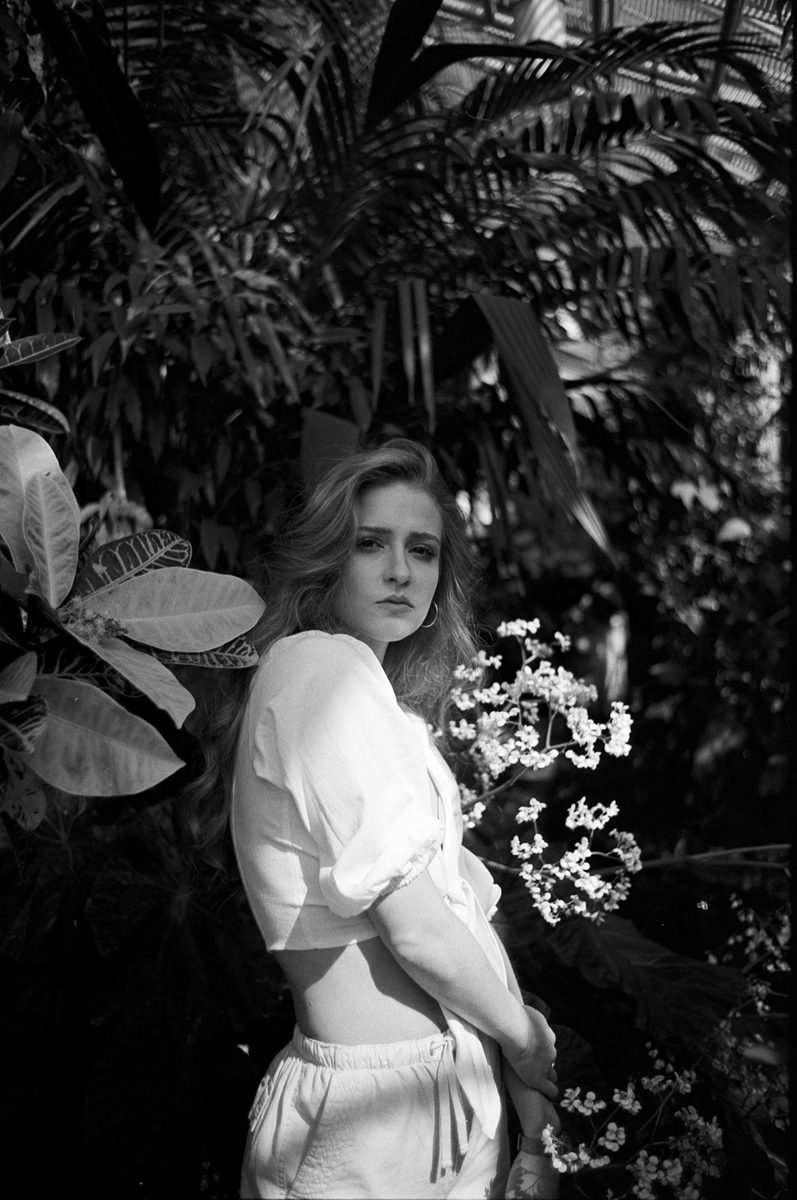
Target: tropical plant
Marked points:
319	142
76	619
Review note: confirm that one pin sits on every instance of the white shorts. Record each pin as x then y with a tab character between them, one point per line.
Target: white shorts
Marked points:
387	1120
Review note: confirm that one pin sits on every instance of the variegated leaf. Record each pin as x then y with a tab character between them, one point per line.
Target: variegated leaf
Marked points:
22	723
67	662
32	412
32	349
236	654
24	799
131	555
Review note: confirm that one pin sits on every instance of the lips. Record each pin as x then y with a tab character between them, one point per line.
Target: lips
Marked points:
396	602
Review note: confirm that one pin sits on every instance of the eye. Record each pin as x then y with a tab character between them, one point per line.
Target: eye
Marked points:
368	544
424	552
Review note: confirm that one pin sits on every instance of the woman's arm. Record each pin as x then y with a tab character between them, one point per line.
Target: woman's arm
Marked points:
438	951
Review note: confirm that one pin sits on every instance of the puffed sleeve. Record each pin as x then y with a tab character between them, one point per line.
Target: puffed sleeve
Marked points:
330	731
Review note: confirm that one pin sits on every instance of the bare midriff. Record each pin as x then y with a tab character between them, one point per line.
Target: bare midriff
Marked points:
357	994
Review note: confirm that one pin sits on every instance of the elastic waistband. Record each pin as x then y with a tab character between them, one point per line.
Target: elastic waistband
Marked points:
364	1056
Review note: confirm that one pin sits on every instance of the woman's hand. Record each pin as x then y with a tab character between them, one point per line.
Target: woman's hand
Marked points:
534	1065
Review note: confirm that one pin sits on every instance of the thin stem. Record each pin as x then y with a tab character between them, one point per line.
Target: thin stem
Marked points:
727	854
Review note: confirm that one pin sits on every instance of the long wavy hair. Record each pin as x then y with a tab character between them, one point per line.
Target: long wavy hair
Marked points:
316	538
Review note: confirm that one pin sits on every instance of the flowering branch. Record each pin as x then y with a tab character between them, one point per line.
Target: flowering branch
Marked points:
511	725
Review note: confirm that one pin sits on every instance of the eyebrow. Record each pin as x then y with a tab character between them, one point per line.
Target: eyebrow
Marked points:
385	532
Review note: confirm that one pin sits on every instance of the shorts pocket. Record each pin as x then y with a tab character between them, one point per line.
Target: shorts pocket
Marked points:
328	1140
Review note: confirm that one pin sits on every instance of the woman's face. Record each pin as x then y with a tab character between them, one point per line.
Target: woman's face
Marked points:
387	586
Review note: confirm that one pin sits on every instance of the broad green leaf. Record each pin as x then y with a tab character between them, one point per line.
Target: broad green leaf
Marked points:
32	349
130	555
17	678
23	798
22	724
91	746
23	455
236	654
51	528
675	996
72	662
149	675
35	413
178	608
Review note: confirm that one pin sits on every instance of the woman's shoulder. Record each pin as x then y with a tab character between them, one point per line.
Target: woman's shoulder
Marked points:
310	658
317	644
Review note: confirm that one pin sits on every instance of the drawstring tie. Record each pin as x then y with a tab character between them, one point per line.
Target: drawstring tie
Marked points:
452	1128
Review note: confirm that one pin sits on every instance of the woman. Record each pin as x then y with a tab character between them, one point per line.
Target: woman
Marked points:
346	828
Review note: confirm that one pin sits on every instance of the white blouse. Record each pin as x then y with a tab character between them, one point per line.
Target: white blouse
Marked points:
339	795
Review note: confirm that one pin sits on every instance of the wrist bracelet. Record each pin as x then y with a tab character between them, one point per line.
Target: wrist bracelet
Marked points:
530	1145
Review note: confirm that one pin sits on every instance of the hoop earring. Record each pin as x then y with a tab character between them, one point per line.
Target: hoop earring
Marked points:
434	618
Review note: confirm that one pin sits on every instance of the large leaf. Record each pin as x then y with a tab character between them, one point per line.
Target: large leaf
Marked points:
23	456
543	405
71	661
522	347
22	724
407	23
676	997
147	674
32	349
32	412
17	678
237	654
51	528
90	67
91	746
178	608
130	555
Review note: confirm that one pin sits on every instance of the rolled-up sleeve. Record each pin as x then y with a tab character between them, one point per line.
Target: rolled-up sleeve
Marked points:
331	732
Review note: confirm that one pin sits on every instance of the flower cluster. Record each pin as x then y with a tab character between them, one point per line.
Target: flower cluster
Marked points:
751	1055
687	1149
510	728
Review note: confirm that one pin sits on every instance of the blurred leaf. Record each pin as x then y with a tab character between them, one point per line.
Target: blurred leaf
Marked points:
89	65
33	349
407	23
676	997
91	746
325	441
32	412
522	347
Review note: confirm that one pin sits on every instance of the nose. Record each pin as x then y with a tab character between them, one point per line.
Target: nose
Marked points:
397	568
